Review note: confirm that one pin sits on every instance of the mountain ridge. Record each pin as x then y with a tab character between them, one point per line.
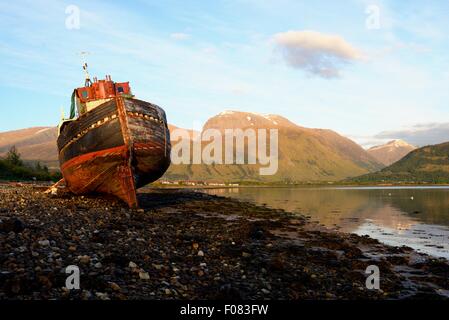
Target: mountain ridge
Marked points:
391	152
305	154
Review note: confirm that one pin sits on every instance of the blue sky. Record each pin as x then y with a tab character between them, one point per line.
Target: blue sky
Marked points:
198	58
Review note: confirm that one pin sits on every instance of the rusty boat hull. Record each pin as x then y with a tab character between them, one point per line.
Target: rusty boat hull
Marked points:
116	148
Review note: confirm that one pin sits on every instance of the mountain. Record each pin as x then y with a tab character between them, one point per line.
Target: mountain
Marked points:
391	152
304	154
191	132
34	144
429	164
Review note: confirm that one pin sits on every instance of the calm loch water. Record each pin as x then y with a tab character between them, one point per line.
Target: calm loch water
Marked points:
414	216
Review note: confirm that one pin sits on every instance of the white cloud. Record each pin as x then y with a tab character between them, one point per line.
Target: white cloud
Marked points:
316	53
180	36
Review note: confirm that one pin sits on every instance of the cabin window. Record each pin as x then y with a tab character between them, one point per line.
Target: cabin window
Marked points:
84	94
120	90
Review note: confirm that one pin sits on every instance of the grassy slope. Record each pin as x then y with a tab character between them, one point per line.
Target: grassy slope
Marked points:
429	164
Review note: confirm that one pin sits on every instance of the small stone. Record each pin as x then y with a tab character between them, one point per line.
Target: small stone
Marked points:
84	259
114	286
102	296
72	248
167	292
200	253
65	291
132	265
245	254
195	246
265	291
98	265
86	295
43	280
144	276
44	243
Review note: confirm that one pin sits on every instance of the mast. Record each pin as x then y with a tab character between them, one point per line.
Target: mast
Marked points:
87	81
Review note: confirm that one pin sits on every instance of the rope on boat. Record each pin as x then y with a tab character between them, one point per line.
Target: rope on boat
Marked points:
54	188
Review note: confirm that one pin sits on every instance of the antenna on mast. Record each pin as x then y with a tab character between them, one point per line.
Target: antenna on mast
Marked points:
87	82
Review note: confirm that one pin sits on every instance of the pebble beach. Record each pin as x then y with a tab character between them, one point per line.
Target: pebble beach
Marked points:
185	244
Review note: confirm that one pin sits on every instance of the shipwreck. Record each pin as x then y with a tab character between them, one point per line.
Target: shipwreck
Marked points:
112	143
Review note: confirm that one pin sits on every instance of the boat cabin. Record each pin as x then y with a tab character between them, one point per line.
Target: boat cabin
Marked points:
98	92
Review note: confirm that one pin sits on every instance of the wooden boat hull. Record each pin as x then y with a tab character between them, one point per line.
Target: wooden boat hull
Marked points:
116	148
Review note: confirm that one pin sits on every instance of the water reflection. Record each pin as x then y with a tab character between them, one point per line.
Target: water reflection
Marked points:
413	216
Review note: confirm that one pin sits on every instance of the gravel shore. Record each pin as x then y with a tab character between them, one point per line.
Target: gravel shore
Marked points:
184	244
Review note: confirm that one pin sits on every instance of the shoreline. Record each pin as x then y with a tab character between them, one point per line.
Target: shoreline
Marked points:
286	186
184	244
330	185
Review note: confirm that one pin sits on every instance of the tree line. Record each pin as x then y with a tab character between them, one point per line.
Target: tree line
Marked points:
12	167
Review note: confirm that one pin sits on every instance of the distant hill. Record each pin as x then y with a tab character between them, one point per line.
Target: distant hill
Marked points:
305	155
429	164
34	144
391	152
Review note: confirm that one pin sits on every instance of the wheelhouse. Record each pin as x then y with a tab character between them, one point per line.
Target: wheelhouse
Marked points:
98	92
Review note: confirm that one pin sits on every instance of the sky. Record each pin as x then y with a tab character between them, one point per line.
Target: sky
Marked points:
371	70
